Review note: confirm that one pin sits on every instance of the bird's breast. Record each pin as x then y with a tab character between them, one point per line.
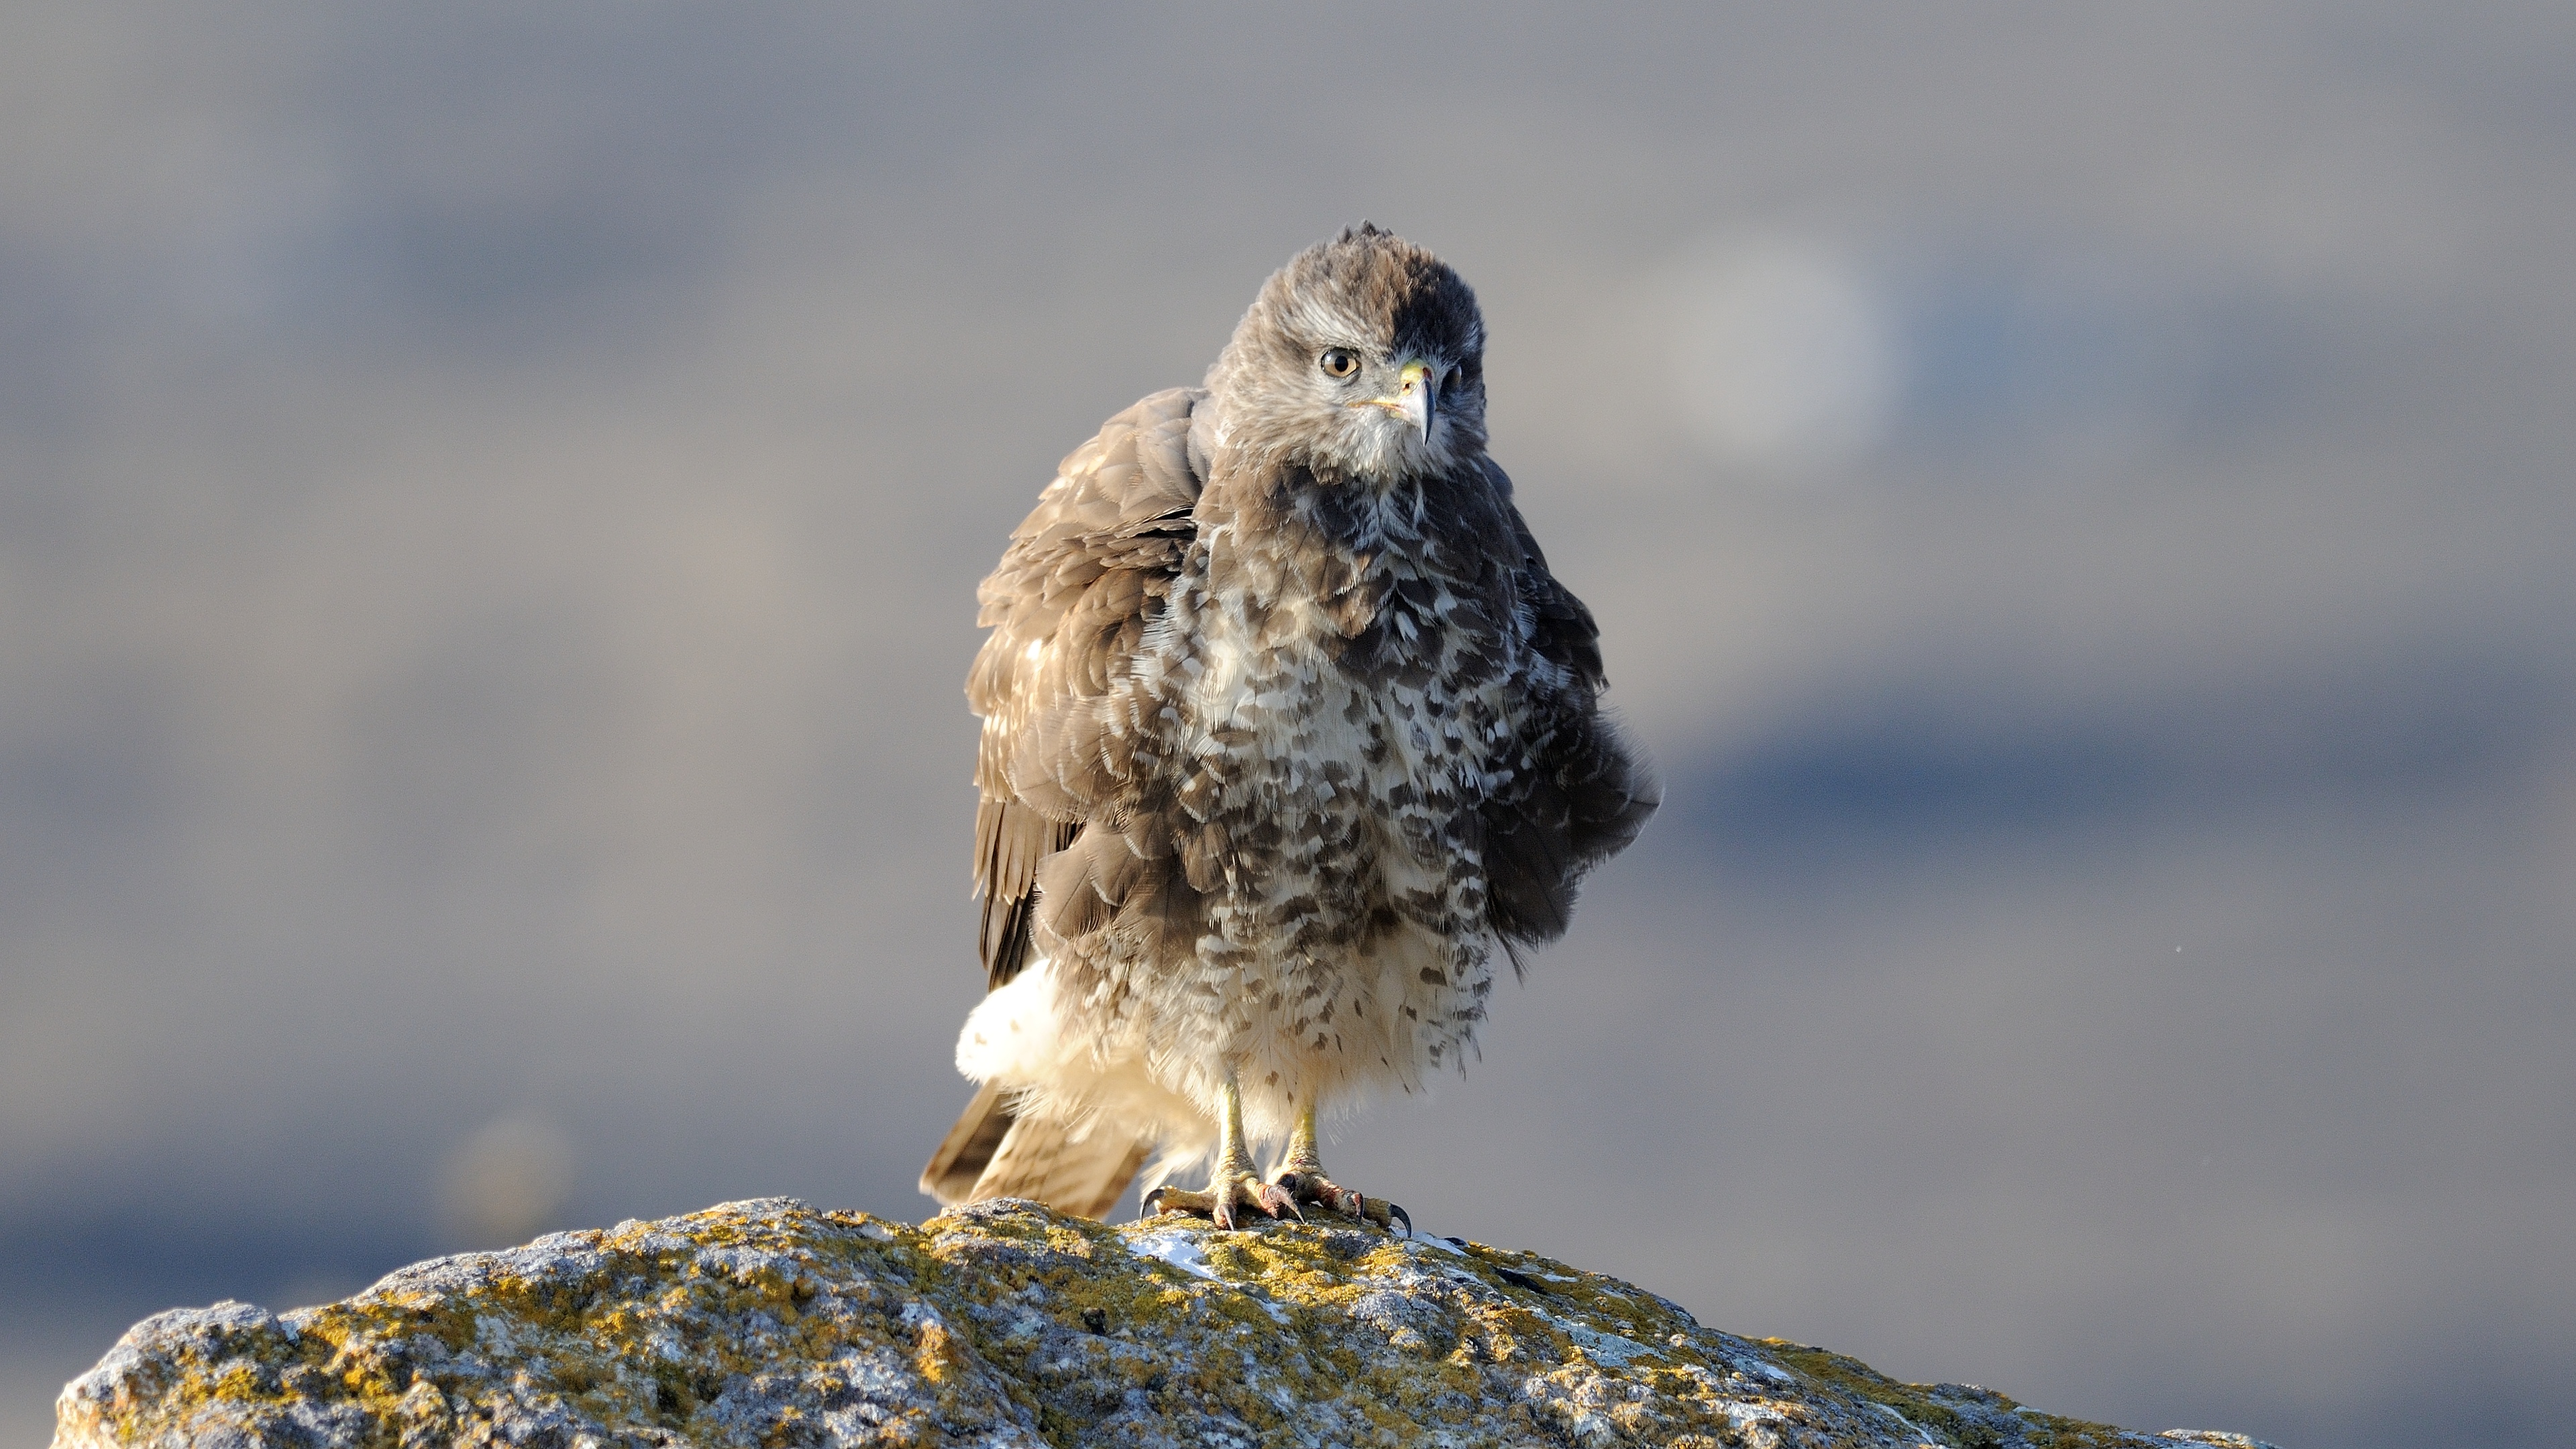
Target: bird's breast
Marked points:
1378	695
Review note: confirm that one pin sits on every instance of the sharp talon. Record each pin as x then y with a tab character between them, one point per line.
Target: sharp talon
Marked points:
1304	1186
1179	1200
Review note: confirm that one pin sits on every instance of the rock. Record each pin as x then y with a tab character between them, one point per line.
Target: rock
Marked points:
1004	1324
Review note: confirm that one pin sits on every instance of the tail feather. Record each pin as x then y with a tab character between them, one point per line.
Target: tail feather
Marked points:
961	1158
992	1153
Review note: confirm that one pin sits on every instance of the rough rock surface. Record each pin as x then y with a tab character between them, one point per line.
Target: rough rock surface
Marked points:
1003	1324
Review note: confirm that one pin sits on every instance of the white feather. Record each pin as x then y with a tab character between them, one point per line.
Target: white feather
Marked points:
1017	1038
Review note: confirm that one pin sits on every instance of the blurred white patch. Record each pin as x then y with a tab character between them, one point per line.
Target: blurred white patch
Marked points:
1782	353
504	1184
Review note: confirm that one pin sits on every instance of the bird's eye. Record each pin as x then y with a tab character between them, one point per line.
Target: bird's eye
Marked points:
1339	362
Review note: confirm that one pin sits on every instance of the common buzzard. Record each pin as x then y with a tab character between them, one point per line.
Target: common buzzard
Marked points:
1288	734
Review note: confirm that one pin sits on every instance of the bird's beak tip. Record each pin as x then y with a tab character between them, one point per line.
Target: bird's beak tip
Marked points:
1414	401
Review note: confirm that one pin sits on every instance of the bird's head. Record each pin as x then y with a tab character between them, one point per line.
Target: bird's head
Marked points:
1362	359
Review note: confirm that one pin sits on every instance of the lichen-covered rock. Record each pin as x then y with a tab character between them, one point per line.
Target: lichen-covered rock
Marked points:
1003	1324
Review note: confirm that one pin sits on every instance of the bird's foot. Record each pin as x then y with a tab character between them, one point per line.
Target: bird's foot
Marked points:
1228	1196
1307	1185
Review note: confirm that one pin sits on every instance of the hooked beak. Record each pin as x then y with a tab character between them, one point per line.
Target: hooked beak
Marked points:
1419	385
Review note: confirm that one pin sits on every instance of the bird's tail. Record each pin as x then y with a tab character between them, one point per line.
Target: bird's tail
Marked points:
992	1152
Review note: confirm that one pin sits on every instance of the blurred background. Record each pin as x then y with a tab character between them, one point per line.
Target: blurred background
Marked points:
2077	502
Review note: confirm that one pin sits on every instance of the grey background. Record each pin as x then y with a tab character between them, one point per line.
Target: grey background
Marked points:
492	496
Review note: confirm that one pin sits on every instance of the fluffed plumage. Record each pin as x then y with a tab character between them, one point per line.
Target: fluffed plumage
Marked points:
1288	732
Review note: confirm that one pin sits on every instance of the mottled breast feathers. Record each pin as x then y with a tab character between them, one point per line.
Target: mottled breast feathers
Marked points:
1086	576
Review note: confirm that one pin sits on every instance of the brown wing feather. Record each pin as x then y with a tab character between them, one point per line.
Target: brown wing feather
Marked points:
1010	840
1583	793
1067	606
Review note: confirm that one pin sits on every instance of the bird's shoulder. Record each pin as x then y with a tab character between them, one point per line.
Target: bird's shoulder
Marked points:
1113	502
1105	536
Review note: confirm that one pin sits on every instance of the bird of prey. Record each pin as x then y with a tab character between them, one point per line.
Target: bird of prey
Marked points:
1288	734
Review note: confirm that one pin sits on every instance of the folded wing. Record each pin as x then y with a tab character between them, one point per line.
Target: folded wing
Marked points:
1581	793
1067	606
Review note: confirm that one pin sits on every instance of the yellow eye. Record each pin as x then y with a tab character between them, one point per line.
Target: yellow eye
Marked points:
1339	362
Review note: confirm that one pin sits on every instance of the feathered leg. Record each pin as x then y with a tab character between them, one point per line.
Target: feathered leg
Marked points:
1302	1174
1237	1182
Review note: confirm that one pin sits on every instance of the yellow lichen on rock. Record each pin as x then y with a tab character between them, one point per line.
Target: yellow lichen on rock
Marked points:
1003	1324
